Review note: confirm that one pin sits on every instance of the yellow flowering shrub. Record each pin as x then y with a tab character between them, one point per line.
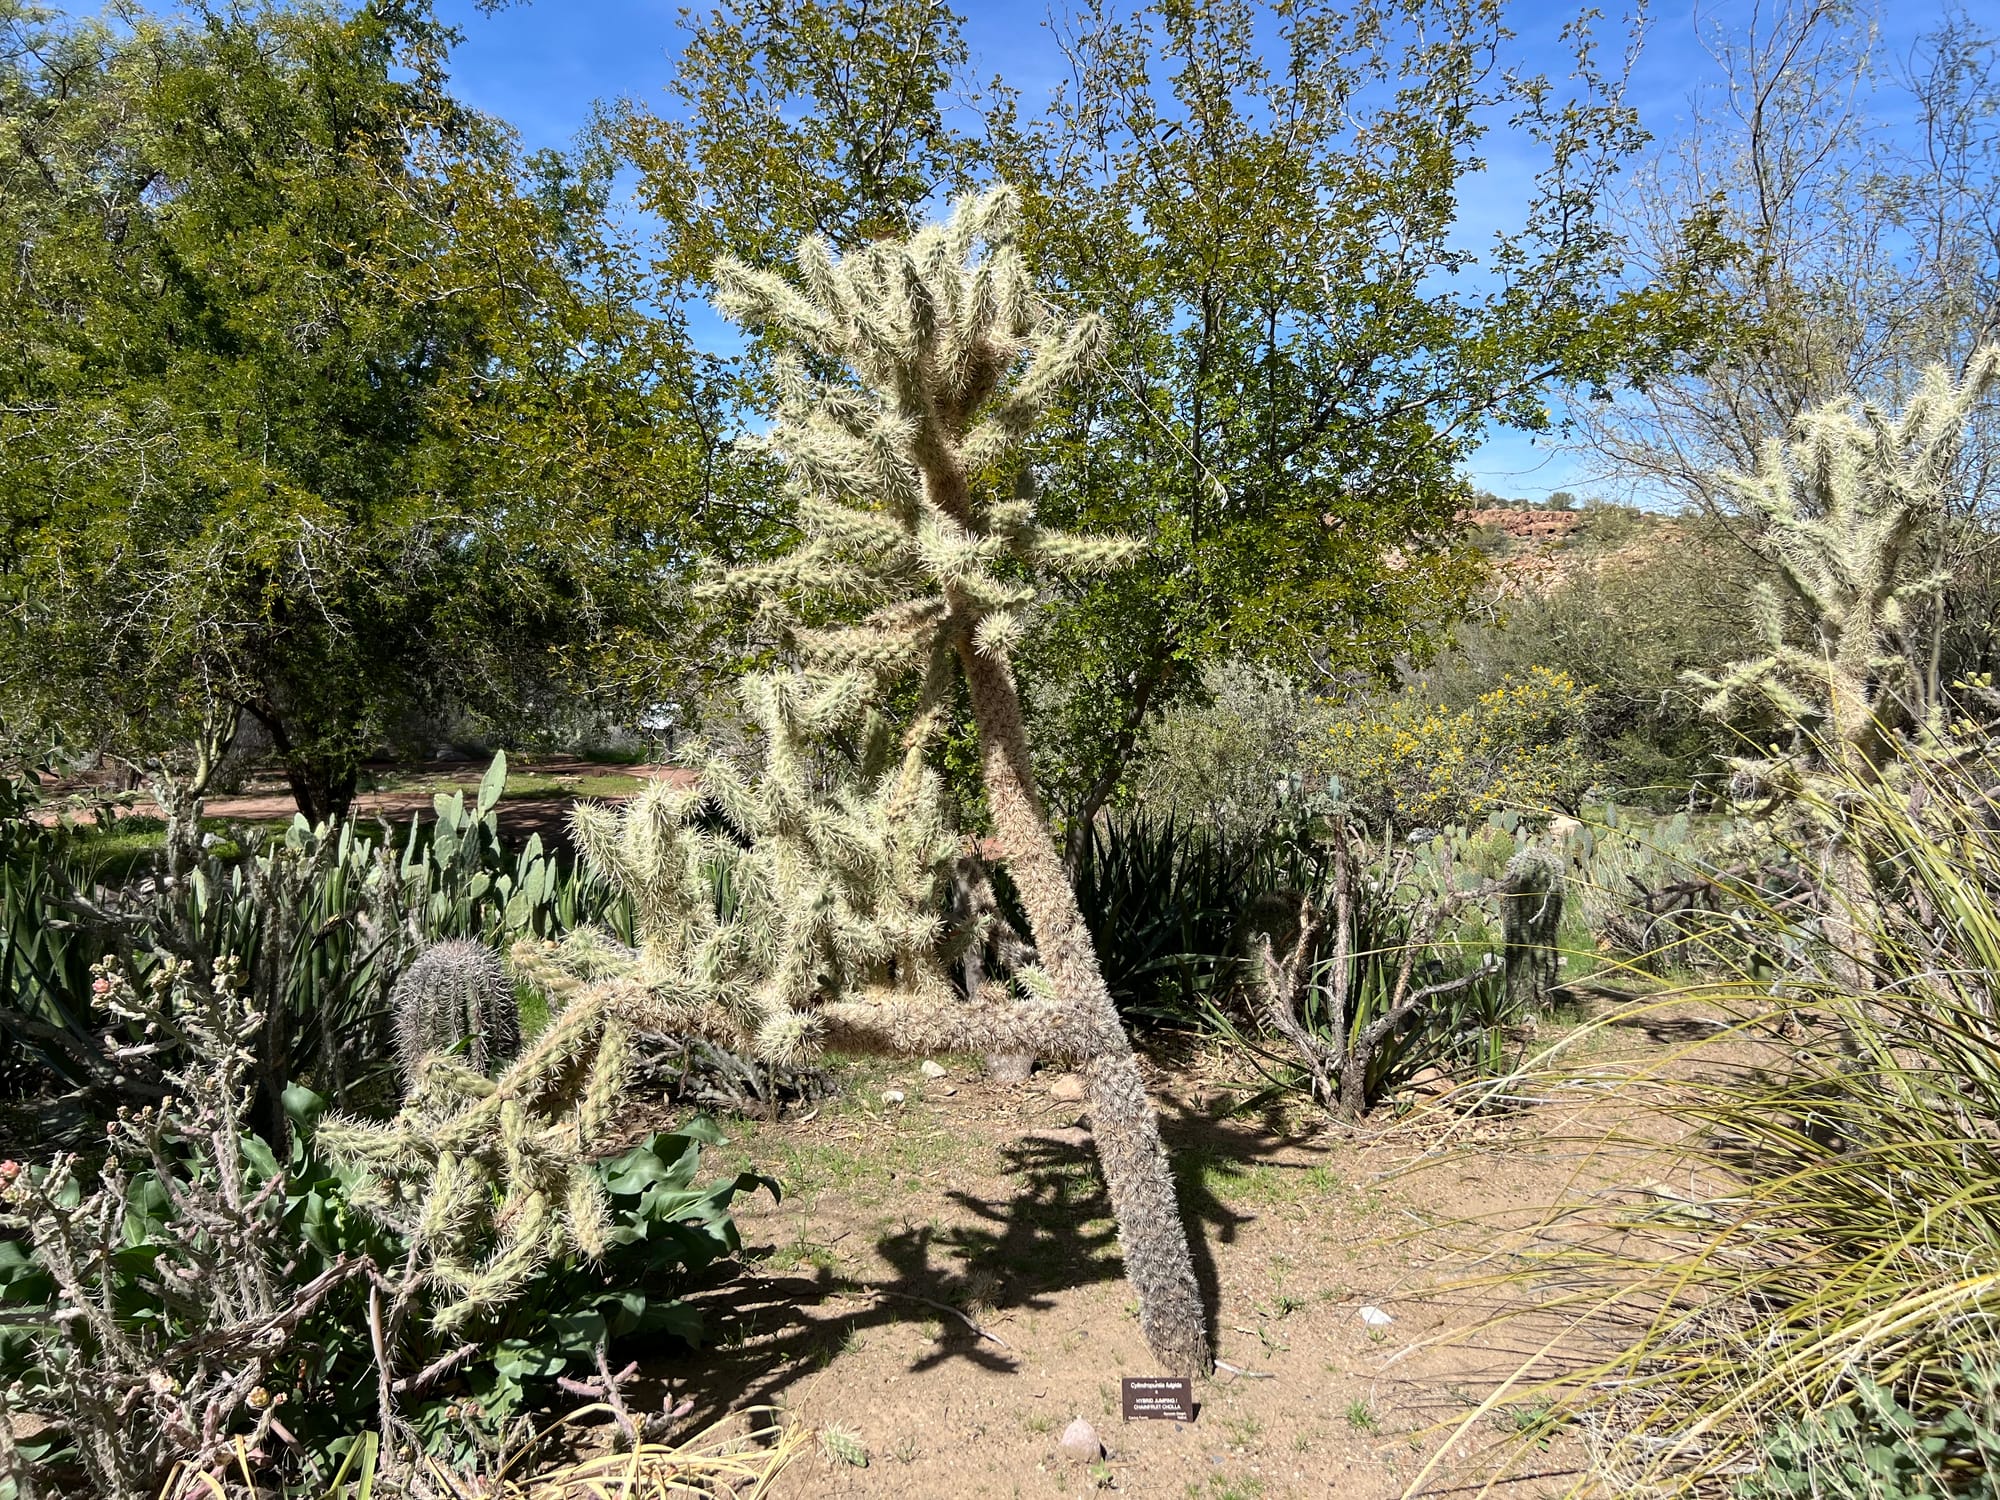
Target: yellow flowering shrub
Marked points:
1409	761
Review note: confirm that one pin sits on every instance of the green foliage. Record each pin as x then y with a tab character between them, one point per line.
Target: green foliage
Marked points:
333	411
825	118
323	920
198	1284
1162	898
1876	1449
1828	1220
1171	908
1303	360
1224	758
1626	624
1411	762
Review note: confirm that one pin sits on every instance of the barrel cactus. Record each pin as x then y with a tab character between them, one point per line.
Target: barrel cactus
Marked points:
1531	908
457	994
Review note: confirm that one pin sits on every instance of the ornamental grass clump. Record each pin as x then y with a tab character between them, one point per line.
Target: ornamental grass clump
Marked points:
1817	1261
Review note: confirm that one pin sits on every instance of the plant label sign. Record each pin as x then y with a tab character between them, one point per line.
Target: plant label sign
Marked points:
1159	1398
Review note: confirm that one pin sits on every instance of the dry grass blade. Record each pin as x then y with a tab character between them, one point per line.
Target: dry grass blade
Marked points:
1824	1275
735	1458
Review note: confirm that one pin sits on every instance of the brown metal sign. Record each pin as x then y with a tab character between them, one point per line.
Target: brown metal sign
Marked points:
1160	1398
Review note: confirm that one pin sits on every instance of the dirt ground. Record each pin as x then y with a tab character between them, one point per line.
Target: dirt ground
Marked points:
264	798
942	1279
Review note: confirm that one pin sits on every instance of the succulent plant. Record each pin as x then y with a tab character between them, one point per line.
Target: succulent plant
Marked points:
455	999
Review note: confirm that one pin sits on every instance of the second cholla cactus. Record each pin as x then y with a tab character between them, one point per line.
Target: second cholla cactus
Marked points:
1847	507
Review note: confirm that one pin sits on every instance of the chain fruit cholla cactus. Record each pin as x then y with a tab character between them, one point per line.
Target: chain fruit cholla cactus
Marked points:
1846	505
457	992
911	524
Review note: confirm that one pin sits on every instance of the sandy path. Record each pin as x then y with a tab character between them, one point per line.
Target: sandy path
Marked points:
986	1198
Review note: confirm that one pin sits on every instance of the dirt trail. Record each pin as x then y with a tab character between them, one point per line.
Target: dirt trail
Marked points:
265	799
911	1230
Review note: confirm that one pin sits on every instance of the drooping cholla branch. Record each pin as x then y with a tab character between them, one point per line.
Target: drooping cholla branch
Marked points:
490	1178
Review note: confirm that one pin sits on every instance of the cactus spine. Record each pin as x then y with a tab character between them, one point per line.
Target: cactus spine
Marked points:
456	994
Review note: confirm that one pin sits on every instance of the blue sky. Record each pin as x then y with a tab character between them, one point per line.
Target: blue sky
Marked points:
542	65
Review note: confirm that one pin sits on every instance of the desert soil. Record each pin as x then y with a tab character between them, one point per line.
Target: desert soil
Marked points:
942	1280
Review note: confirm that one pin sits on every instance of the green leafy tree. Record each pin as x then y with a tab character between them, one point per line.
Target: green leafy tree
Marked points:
317	404
1263	199
825	117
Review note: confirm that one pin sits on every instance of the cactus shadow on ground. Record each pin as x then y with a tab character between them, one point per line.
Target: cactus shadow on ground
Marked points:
1040	1228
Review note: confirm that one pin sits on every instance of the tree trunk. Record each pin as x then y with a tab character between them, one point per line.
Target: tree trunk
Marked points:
1157	1258
322	790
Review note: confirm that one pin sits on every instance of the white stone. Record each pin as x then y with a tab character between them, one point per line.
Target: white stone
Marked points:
892	1096
932	1070
1079	1441
1374	1317
1067	1087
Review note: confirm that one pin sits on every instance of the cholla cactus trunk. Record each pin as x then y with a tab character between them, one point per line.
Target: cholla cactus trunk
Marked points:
1123	1124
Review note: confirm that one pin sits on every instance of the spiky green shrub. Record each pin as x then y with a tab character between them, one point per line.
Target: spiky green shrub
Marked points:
488	1178
1851	509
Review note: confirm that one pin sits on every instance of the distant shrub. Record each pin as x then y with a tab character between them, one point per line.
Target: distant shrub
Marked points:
1222	759
1412	762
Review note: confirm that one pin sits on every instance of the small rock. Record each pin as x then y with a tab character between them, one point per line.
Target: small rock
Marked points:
949	1092
892	1096
1067	1087
1079	1441
931	1069
1009	1067
1374	1317
1432	1080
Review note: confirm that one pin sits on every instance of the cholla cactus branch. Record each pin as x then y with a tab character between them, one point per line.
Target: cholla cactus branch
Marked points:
488	1179
1845	505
